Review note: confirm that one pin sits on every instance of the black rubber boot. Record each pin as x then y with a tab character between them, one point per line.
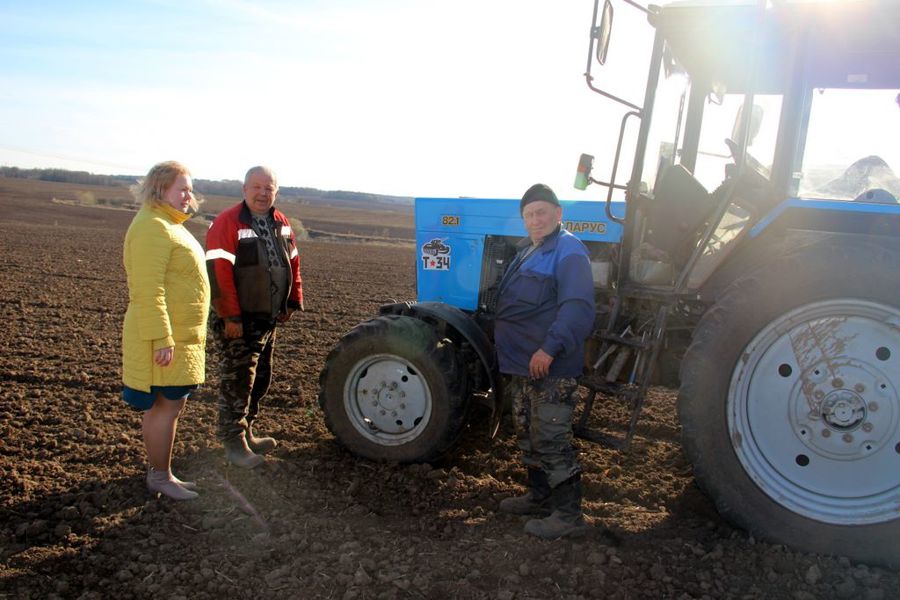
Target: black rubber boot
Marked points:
567	519
259	445
536	501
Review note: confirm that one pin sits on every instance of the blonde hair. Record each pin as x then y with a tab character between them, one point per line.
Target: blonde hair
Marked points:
160	178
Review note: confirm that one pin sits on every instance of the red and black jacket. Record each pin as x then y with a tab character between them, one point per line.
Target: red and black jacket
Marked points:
239	273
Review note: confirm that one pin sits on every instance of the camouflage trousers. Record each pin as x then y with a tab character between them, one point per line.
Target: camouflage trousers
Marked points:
245	372
542	415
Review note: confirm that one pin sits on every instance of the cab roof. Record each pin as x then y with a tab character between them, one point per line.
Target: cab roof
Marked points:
848	43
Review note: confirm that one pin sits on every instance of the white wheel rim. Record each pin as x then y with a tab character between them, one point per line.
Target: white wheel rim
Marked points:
387	400
813	411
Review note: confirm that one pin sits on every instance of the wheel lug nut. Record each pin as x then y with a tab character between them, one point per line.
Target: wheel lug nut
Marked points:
402	406
818	394
847	438
393	413
826	433
873	406
859	388
383	412
837	382
867	427
393	385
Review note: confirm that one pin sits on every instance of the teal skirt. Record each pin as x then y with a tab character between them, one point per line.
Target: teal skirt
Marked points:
144	400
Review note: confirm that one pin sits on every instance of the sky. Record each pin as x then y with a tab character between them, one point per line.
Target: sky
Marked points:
402	97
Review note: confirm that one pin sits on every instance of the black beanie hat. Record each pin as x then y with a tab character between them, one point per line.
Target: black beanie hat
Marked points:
537	192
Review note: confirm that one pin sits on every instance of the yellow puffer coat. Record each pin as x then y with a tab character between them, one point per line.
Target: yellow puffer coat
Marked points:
168	300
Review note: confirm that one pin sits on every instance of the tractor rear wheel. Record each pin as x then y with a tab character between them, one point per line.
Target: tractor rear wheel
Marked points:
790	402
393	390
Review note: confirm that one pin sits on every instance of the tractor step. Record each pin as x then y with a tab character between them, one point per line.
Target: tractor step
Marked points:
607	382
597	385
616	442
630	341
632	395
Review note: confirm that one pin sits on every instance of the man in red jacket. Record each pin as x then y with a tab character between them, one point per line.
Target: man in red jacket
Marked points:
254	273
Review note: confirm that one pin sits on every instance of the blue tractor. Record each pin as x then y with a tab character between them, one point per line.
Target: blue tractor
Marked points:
753	264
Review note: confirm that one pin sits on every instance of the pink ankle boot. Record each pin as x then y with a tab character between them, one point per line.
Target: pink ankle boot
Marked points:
163	482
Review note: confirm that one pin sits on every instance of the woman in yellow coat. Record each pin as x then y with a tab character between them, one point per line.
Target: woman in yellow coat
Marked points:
164	336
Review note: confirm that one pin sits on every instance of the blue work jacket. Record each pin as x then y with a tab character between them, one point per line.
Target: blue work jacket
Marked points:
546	300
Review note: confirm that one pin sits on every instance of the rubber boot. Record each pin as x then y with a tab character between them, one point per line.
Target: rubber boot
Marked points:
161	482
259	445
567	519
239	454
536	501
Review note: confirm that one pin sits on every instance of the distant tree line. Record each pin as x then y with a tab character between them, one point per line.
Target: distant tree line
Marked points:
227	187
230	187
64	176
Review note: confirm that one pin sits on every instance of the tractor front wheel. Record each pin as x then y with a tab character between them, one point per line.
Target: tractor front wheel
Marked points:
393	390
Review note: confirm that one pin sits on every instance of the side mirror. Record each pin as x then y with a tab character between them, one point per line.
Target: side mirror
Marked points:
583	176
602	32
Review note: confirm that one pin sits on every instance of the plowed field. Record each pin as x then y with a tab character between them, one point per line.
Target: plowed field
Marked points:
314	522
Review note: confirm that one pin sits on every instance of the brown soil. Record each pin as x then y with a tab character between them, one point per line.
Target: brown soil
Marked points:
314	522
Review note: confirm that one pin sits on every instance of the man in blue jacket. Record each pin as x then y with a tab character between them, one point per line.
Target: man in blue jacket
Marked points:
545	310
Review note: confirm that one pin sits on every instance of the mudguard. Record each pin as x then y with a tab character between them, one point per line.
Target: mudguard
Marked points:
836	216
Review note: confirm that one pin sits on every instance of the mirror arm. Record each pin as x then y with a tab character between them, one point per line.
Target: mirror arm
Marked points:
637	6
590	79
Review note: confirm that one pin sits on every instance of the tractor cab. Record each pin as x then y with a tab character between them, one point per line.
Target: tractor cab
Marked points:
758	259
749	107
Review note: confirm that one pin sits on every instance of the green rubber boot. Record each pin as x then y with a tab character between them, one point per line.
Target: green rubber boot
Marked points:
567	519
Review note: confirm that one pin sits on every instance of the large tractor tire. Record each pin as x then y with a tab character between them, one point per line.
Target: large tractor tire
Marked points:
392	390
789	402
